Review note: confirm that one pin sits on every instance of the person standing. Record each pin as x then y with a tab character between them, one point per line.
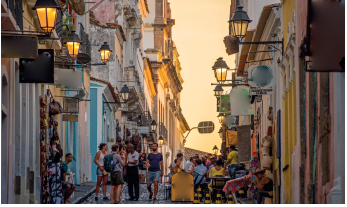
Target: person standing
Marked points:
133	173
100	171
208	161
116	176
189	165
69	187
142	167
155	170
233	159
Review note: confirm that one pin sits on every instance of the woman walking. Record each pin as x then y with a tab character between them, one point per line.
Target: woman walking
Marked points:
100	171
142	168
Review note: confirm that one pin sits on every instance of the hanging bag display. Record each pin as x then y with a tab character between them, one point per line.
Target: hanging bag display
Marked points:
55	108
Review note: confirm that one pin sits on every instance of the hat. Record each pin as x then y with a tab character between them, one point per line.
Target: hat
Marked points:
258	171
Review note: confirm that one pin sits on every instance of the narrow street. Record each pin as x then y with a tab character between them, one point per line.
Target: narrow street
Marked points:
143	196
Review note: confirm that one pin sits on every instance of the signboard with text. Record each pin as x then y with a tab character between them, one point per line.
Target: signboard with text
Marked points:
261	91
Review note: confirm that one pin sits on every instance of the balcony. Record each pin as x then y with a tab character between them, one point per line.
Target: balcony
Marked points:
16	8
163	131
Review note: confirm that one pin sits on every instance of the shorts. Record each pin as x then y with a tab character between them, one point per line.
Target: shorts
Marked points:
142	172
65	184
231	169
99	172
153	176
116	178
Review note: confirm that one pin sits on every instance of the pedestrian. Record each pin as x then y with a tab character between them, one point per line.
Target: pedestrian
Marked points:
116	176
155	170
123	155
203	161
208	161
217	170
199	172
133	173
212	164
101	174
189	165
233	159
68	187
142	167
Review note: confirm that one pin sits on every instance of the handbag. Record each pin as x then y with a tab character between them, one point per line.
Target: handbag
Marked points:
55	108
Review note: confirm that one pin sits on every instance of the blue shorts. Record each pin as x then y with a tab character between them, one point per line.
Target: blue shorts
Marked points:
99	172
153	176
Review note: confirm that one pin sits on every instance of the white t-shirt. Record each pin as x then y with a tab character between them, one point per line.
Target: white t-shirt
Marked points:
133	157
189	166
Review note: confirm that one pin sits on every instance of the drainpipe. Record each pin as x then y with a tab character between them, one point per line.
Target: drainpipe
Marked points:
314	136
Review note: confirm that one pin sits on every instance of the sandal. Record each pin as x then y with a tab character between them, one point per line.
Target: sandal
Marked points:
118	202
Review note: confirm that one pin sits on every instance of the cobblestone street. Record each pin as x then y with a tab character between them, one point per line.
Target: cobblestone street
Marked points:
144	194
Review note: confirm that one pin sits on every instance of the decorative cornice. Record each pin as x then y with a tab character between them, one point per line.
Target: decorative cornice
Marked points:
108	25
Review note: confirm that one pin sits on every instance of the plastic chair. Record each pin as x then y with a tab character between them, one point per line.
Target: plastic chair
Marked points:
167	185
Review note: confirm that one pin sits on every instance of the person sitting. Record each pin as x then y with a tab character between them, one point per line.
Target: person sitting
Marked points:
199	172
264	185
189	165
177	168
68	187
217	170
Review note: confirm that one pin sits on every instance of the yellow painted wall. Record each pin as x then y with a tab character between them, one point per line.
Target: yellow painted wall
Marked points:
289	106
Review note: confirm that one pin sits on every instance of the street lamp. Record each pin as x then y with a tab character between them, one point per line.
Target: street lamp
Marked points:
124	92
73	43
47	14
220	70
215	150
220	117
218	90
220	132
153	126
160	140
105	52
239	23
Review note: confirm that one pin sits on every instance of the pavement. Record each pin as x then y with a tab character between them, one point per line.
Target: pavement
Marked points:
82	192
144	195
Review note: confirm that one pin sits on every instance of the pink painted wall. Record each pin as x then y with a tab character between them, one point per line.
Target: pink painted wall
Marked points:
332	135
301	15
105	12
307	170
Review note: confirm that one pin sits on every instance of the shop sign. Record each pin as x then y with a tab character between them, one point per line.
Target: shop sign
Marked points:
231	138
225	103
261	76
70	105
19	46
240	103
261	91
39	69
64	78
71	118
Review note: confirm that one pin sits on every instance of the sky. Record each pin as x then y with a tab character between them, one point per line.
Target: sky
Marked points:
199	30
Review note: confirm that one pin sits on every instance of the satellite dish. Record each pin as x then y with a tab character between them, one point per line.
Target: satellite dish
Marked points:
206	127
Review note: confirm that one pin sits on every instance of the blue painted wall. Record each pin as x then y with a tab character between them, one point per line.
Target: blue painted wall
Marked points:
93	128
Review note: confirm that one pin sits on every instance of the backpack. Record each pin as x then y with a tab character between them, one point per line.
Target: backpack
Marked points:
108	163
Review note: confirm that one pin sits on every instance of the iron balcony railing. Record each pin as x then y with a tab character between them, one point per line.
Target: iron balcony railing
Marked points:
163	131
59	28
16	8
146	119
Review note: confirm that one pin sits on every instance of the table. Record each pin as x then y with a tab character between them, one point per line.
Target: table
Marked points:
215	179
234	185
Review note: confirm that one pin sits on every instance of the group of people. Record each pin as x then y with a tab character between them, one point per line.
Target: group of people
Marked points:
129	166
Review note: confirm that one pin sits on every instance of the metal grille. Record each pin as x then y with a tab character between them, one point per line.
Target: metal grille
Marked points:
85	47
16	8
146	118
206	127
163	131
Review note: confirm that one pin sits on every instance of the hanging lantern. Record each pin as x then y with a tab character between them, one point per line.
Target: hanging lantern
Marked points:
124	92
160	140
105	52
73	43
153	126
220	117
218	90
220	70
239	23
47	14
215	150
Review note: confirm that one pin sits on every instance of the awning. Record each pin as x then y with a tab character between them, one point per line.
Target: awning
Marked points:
244	53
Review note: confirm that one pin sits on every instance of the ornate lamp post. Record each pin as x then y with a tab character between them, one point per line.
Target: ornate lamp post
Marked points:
153	126
47	14
124	92
239	23
105	52
160	140
218	90
215	150
73	43
220	70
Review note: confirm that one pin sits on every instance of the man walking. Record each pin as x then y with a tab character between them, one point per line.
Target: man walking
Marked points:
116	176
233	159
133	173
155	170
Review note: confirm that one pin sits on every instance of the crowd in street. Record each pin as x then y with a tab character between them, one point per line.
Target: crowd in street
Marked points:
125	165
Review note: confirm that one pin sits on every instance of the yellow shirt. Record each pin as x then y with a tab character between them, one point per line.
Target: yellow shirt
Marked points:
234	157
214	172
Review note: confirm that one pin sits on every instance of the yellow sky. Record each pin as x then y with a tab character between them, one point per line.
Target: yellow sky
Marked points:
198	34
